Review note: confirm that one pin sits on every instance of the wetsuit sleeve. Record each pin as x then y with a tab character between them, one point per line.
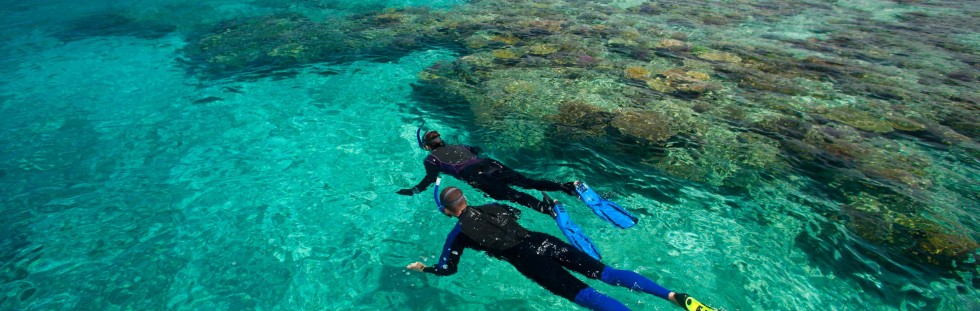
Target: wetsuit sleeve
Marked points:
431	172
451	251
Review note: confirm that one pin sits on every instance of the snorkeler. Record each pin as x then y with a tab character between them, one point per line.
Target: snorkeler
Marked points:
488	175
540	257
495	179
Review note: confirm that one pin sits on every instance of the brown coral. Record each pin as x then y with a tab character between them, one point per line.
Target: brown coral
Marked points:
721	57
895	226
860	119
636	73
576	118
508	39
389	18
940	247
542	49
678	80
544	26
647	125
672	44
505	54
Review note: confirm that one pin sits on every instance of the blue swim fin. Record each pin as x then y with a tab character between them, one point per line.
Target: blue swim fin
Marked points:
573	233
607	210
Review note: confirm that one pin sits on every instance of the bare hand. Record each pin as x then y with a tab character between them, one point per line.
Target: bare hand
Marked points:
417	266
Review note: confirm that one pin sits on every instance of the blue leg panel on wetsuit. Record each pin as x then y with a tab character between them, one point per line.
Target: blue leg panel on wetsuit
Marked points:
607	210
633	280
573	233
594	300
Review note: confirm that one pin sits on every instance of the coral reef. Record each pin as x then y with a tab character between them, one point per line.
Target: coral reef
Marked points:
841	102
283	40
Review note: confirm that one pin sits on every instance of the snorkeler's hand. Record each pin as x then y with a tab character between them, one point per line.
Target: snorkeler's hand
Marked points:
549	204
408	191
417	266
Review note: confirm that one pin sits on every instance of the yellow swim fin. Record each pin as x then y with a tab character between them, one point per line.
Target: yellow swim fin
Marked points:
690	304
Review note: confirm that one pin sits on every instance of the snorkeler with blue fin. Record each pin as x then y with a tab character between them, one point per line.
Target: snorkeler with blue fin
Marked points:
496	180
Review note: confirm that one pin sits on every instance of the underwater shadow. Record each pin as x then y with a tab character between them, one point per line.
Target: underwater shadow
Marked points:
415	293
109	24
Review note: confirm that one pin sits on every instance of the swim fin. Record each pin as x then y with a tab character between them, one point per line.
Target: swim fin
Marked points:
607	210
690	304
572	232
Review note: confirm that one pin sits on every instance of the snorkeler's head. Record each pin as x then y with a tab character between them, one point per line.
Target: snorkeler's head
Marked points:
431	140
452	200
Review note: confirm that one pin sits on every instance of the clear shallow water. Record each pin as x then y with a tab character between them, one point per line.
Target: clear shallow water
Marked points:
130	184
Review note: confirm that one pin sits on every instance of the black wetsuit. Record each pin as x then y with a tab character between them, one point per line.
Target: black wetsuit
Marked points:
541	257
488	175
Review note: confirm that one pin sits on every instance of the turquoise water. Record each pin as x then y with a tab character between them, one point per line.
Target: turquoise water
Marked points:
138	176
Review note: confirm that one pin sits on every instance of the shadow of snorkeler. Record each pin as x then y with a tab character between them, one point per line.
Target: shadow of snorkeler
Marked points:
401	289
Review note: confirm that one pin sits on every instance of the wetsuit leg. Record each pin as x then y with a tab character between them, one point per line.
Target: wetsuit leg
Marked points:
512	177
580	262
592	299
523	199
542	269
570	257
509	176
488	179
546	273
634	281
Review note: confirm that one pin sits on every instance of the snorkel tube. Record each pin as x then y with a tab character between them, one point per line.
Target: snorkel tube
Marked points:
435	194
418	137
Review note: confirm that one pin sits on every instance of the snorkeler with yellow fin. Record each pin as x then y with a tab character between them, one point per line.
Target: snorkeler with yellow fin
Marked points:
548	261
